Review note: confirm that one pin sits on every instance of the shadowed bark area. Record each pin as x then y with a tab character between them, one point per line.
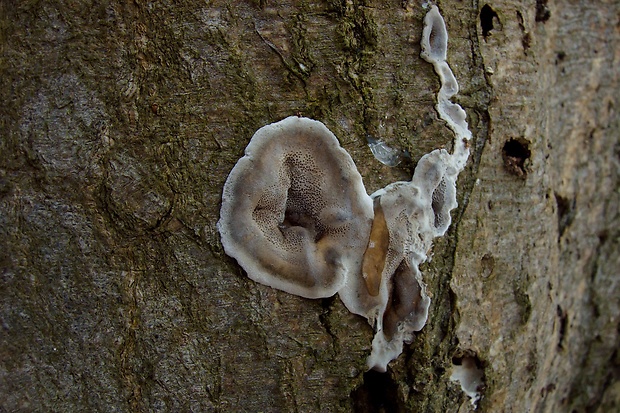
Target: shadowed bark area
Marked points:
120	121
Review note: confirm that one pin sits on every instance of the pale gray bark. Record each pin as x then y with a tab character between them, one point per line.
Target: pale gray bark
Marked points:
119	123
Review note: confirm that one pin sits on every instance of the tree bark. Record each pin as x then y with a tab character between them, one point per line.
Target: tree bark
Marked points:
120	122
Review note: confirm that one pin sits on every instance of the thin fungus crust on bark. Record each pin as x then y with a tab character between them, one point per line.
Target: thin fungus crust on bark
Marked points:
296	216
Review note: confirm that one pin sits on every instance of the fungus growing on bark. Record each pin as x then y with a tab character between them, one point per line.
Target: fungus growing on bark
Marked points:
296	216
470	376
295	213
434	52
416	212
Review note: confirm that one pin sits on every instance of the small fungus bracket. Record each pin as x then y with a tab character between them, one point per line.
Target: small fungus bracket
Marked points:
296	216
295	213
467	372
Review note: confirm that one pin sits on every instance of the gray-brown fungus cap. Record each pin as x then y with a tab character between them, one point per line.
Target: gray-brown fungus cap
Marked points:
295	213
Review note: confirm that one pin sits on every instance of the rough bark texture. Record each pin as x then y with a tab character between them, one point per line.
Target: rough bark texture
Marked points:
121	120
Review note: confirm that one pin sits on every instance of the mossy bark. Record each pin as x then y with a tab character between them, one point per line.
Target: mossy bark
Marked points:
121	120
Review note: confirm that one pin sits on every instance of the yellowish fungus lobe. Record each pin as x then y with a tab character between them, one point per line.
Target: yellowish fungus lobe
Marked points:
374	257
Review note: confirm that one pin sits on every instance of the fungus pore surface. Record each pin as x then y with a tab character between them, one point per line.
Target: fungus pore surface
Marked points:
296	216
295	213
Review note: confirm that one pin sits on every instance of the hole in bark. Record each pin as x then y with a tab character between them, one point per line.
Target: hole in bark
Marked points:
559	57
566	212
563	326
487	15
542	11
515	153
378	394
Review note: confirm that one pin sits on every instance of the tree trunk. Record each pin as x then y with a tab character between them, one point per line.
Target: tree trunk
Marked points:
120	122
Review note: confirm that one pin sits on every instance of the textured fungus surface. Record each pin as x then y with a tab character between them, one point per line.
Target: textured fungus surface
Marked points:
295	213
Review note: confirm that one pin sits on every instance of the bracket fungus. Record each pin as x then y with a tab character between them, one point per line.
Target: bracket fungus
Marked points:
295	213
466	371
296	216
